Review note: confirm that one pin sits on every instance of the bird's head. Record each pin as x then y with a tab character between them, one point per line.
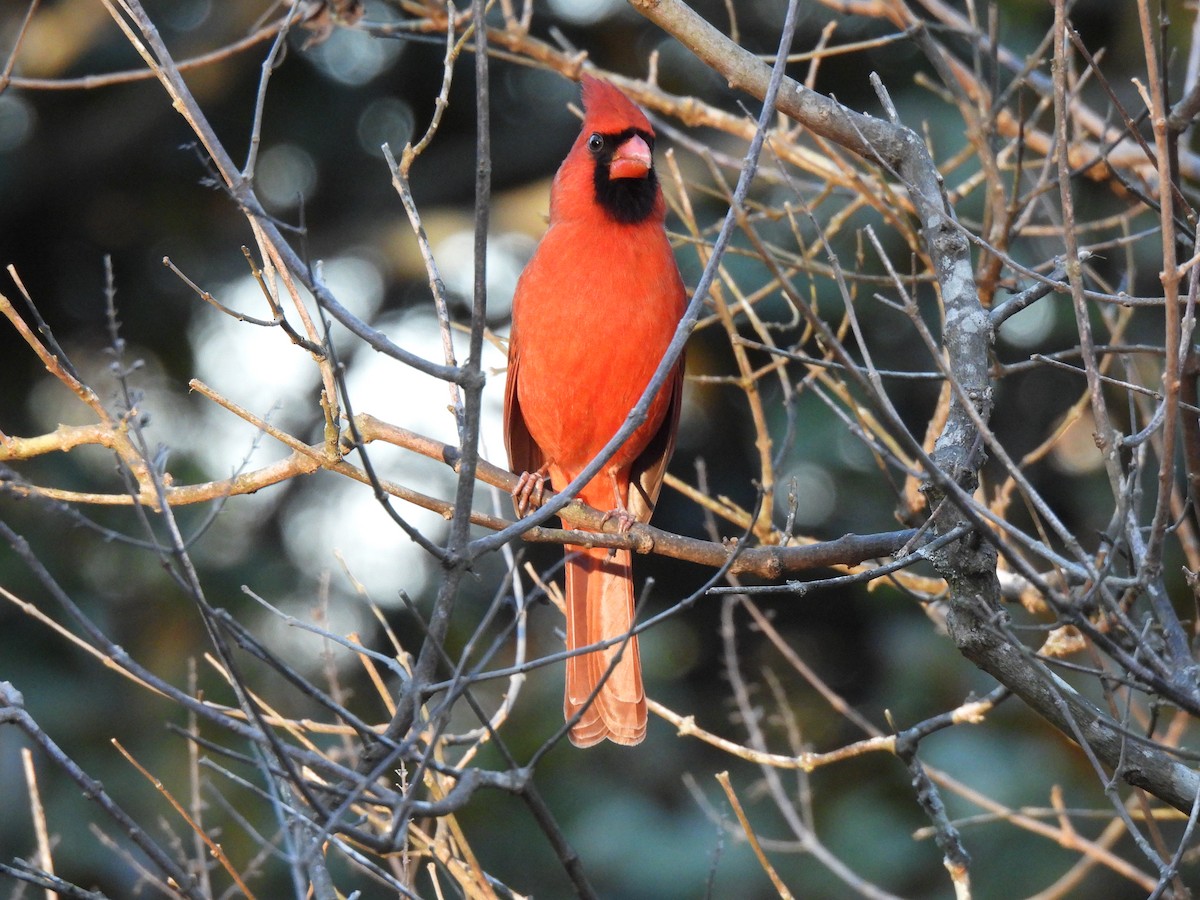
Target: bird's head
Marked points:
619	140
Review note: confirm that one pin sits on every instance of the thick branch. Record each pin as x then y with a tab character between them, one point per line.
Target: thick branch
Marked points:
765	562
1137	763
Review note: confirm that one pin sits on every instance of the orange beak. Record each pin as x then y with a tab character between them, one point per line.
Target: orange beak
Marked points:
632	159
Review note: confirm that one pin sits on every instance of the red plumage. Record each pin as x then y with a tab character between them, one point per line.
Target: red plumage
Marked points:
593	314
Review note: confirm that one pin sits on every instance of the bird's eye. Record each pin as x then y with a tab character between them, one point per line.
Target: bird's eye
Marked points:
595	142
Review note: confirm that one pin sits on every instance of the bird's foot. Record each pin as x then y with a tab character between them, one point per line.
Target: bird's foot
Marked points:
530	491
624	517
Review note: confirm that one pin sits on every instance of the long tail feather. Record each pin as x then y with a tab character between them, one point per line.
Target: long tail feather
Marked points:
600	607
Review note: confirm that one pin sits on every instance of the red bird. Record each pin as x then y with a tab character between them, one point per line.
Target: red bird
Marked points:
593	314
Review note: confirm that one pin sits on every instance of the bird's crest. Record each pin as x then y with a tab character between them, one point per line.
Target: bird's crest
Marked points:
609	111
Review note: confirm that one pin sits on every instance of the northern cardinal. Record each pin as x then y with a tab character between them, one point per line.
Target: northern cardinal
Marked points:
593	314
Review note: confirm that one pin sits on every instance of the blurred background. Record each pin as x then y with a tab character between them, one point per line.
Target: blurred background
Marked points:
88	172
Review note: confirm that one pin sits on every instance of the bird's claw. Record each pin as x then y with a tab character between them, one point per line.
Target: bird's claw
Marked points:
529	492
624	517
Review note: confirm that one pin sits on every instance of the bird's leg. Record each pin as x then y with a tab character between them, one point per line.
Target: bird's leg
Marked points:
530	491
620	511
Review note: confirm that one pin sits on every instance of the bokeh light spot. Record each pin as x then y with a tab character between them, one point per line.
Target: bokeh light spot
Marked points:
507	255
1076	452
354	57
286	174
815	491
385	120
1030	326
187	15
584	12
17	120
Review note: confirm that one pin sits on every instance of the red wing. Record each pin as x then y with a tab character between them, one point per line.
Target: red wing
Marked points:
523	454
649	469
